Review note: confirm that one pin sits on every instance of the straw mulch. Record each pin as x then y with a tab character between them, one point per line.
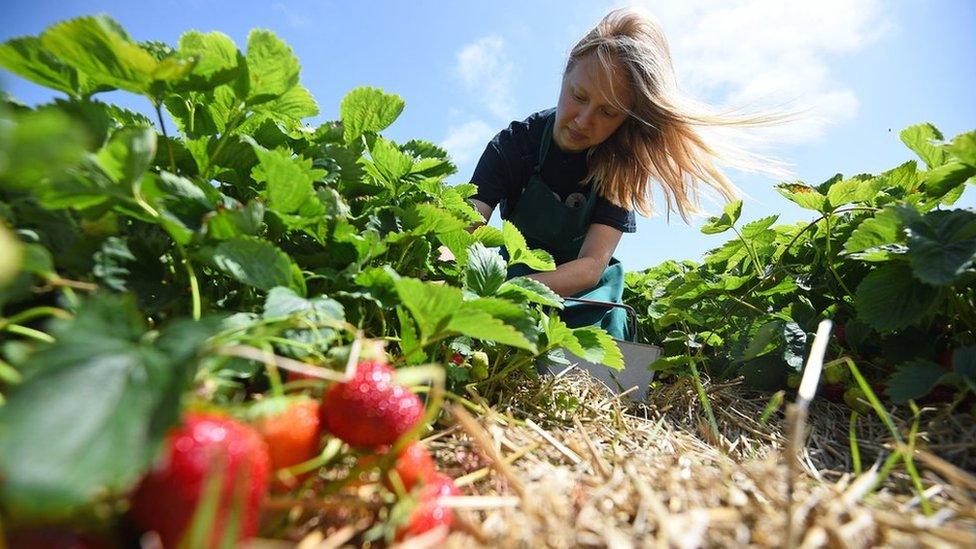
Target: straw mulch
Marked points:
563	462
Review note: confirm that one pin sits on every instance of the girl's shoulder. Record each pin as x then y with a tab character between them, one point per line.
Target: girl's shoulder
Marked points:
521	139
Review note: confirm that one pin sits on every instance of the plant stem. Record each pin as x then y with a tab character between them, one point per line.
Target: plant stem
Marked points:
194	285
752	253
34	313
28	332
852	437
162	127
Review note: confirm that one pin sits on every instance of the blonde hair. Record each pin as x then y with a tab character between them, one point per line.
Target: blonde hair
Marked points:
661	138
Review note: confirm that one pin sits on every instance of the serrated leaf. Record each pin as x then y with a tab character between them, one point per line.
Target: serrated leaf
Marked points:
217	58
27	57
489	236
963	148
913	379
478	324
288	181
431	305
889	298
99	49
272	67
943	179
368	110
531	290
920	138
755	229
128	154
883	228
730	214
804	196
518	250
254	262
854	190
35	146
595	345
108	397
245	220
485	270
427	218
389	164
941	244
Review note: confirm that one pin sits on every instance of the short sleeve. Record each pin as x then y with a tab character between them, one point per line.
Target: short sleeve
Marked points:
492	176
608	213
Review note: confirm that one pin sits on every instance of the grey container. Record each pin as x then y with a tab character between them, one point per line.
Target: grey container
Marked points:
637	359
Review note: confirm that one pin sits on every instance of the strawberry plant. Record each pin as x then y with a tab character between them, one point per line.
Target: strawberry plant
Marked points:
217	252
886	257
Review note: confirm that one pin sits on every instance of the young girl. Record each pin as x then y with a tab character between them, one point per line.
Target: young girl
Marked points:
571	178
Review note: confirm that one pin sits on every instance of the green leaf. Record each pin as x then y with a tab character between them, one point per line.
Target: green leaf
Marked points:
389	164
889	298
431	305
216	55
427	218
183	204
531	290
272	68
489	236
883	228
485	270
27	57
476	323
254	262
35	146
518	250
755	229
941	180
107	397
941	244
245	220
804	196
767	337
128	154
282	302
904	177
288	182
595	345
913	379
368	110
963	148
855	190
101	51
730	215
919	138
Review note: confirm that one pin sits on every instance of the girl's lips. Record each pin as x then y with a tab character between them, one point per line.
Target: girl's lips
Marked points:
575	136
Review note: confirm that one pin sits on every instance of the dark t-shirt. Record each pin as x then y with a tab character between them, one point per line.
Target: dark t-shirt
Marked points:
509	159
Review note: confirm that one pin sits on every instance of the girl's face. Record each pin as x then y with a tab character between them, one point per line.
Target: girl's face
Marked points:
585	115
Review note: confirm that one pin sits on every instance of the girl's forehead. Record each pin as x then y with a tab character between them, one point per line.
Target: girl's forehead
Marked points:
607	83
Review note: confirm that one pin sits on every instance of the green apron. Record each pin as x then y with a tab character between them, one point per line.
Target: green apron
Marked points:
549	224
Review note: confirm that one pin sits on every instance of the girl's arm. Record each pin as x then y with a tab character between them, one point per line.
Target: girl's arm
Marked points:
585	271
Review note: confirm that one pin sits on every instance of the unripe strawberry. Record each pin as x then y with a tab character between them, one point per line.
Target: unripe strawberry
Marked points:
204	445
479	365
370	410
855	398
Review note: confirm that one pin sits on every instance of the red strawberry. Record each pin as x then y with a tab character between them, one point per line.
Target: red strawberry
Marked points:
369	409
291	429
414	465
429	513
457	359
204	445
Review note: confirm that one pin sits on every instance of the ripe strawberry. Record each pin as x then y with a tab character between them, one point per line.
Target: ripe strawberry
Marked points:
369	409
204	445
414	465
291	428
429	513
457	359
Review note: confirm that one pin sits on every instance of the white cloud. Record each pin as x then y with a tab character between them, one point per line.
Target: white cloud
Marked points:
294	17
486	71
771	54
466	142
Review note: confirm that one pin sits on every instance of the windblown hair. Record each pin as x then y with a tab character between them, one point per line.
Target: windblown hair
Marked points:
661	140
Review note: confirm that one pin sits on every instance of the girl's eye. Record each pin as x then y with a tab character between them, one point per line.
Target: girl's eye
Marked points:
578	98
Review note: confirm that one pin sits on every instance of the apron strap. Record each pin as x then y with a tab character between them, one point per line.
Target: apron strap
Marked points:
544	146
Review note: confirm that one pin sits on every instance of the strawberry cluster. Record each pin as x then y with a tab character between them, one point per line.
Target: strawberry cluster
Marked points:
369	412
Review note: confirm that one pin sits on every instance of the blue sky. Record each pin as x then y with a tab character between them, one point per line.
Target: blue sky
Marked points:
862	69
